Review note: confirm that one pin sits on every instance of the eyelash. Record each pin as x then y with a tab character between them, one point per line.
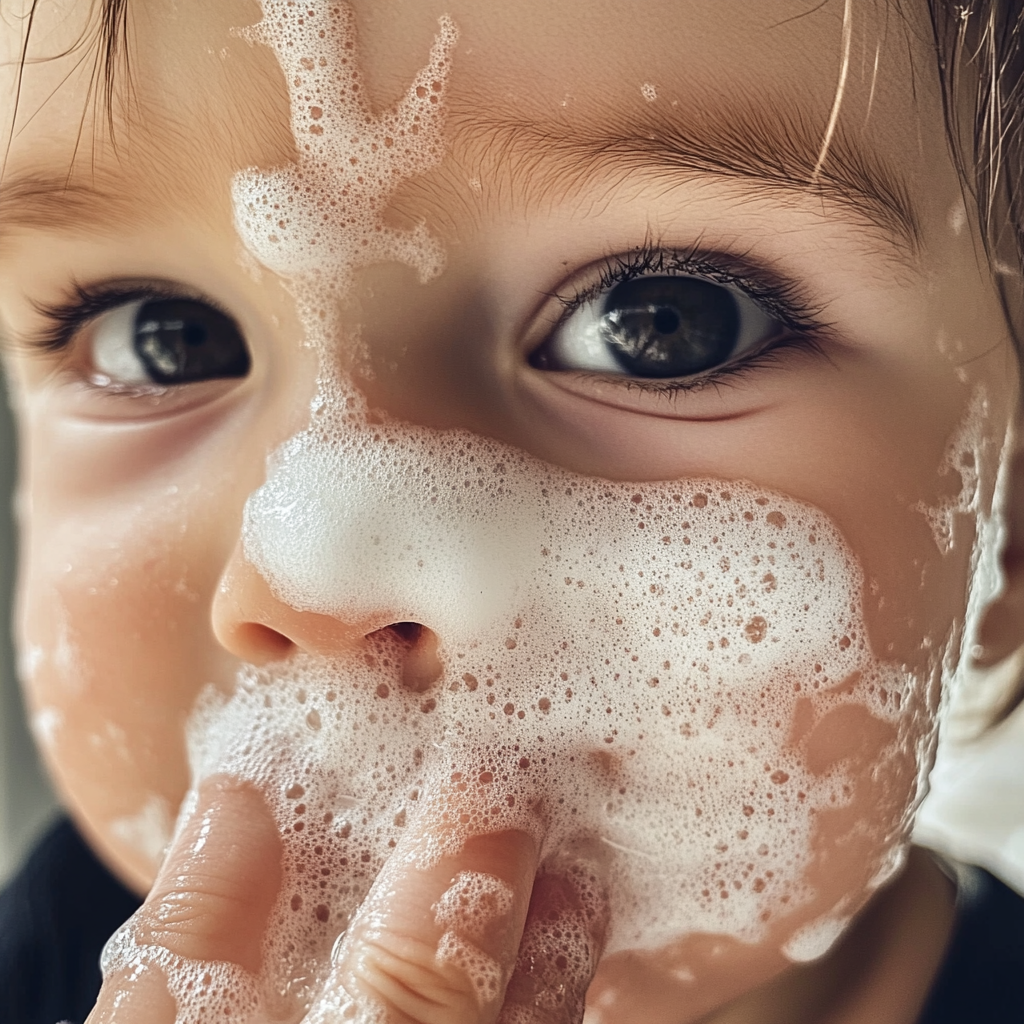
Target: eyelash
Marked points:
86	303
780	299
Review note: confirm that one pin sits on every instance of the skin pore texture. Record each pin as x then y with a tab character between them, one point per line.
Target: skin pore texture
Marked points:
470	660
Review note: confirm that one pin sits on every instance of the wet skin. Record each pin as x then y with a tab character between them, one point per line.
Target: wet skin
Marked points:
134	593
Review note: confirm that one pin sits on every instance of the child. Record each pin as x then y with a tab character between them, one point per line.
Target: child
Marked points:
520	479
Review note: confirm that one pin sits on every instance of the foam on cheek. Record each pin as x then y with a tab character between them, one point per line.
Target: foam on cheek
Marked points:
965	456
148	830
623	663
814	940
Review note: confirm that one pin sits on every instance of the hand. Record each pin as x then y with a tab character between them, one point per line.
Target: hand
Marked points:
473	938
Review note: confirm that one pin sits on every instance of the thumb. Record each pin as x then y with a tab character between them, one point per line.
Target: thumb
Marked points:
435	940
210	904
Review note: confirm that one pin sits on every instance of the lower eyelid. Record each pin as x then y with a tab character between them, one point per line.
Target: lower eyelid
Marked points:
735	372
142	405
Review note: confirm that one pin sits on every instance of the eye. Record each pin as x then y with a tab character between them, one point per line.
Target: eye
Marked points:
166	341
658	327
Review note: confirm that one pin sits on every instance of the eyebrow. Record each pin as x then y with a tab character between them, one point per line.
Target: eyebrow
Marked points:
768	149
50	202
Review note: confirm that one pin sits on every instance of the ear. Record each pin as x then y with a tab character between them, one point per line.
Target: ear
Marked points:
1001	632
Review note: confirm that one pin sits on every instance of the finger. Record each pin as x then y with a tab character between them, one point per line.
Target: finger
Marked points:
561	946
434	942
210	904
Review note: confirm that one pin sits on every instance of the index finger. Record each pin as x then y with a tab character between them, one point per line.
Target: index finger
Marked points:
209	906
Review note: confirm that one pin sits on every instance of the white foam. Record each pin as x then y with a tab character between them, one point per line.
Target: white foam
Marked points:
484	972
317	220
814	940
622	663
205	991
148	830
558	953
31	657
966	453
472	902
642	697
46	723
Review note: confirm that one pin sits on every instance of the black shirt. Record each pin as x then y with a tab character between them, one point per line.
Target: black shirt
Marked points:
55	916
59	910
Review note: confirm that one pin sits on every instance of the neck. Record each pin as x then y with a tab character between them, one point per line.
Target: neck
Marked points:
880	973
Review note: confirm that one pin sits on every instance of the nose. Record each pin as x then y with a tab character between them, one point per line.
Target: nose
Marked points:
253	624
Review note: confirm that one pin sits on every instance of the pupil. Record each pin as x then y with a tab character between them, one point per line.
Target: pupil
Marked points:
670	326
194	334
666	321
181	340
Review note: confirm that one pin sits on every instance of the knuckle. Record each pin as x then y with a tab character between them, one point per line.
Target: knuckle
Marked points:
410	977
197	919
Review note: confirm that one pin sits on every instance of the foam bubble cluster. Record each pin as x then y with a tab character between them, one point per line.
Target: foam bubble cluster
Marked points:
624	666
636	689
473	902
202	991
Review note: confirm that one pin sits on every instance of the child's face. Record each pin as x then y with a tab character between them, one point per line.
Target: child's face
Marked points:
581	138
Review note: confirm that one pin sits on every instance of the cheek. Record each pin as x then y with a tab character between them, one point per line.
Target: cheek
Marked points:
115	645
914	525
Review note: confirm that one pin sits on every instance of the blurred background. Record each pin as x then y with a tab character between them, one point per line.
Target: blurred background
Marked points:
27	803
975	811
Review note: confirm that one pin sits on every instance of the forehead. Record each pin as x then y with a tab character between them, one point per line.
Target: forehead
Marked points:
537	80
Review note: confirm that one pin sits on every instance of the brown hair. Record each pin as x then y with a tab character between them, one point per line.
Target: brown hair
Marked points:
108	40
980	49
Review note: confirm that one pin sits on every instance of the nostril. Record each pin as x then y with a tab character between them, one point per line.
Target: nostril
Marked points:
410	632
261	643
421	663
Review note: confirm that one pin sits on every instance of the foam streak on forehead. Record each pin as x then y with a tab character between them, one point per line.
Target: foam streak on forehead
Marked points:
319	219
